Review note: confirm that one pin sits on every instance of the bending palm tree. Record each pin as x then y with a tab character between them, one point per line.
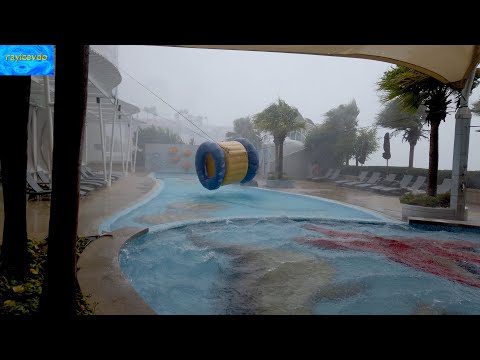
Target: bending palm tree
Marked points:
412	89
393	117
279	119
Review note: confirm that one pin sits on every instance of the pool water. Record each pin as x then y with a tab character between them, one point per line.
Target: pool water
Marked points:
276	266
241	250
186	199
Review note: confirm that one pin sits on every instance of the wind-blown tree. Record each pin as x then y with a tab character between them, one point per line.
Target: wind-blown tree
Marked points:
343	119
476	107
409	124
278	120
15	94
412	89
365	144
243	128
333	141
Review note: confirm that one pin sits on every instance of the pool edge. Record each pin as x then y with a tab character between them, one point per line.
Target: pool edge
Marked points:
102	280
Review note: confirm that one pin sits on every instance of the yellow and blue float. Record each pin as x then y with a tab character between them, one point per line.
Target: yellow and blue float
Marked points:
224	163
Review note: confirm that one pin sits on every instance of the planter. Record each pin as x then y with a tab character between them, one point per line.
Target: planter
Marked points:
428	212
285	184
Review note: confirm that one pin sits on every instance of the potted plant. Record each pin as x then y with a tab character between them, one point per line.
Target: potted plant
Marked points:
422	205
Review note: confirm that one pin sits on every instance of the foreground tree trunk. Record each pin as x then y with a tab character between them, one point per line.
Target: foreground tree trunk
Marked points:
412	153
433	158
70	106
15	98
277	148
280	160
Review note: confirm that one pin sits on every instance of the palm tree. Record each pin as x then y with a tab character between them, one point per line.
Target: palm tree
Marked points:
412	89
278	120
393	117
243	128
15	94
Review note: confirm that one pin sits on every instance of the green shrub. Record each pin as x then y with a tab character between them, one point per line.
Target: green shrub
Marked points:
21	295
442	200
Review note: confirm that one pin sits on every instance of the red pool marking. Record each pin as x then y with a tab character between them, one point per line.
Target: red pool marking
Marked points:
436	257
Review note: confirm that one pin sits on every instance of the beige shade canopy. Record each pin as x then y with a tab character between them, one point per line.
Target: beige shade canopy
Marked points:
451	64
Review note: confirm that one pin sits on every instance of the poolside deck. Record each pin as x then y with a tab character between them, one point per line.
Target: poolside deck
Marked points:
101	280
386	205
94	208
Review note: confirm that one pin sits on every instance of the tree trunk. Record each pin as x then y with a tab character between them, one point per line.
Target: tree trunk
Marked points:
347	161
15	97
412	153
356	161
280	160
70	107
277	148
433	158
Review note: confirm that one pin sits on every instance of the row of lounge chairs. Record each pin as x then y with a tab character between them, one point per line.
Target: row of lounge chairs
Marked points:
89	181
387	185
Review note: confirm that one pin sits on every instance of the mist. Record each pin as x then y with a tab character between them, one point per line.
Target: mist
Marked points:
224	85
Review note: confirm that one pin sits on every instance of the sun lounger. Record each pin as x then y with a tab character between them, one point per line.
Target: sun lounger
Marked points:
45	183
371	182
444	187
355	183
395	187
33	189
327	174
361	178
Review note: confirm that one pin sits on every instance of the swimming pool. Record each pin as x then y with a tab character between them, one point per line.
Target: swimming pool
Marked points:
181	199
325	258
281	266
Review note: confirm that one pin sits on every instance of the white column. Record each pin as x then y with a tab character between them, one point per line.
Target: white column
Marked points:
85	143
109	183
46	88
129	144
460	152
136	149
34	141
121	143
102	138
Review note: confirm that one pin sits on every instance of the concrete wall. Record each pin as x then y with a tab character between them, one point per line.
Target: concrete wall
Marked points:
165	158
296	165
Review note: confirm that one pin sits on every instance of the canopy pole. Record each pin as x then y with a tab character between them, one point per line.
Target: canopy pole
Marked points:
463	118
34	141
129	144
109	183
46	88
121	144
85	143
102	139
136	149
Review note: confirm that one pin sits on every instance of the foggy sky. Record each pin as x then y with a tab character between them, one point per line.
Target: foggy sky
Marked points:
225	85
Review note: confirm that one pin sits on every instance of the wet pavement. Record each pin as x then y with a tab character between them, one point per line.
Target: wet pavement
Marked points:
99	273
388	206
94	208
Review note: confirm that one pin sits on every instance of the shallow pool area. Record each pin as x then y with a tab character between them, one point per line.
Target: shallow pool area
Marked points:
242	250
184	199
285	266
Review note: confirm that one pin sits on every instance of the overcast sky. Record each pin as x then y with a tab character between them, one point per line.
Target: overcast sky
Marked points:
226	85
